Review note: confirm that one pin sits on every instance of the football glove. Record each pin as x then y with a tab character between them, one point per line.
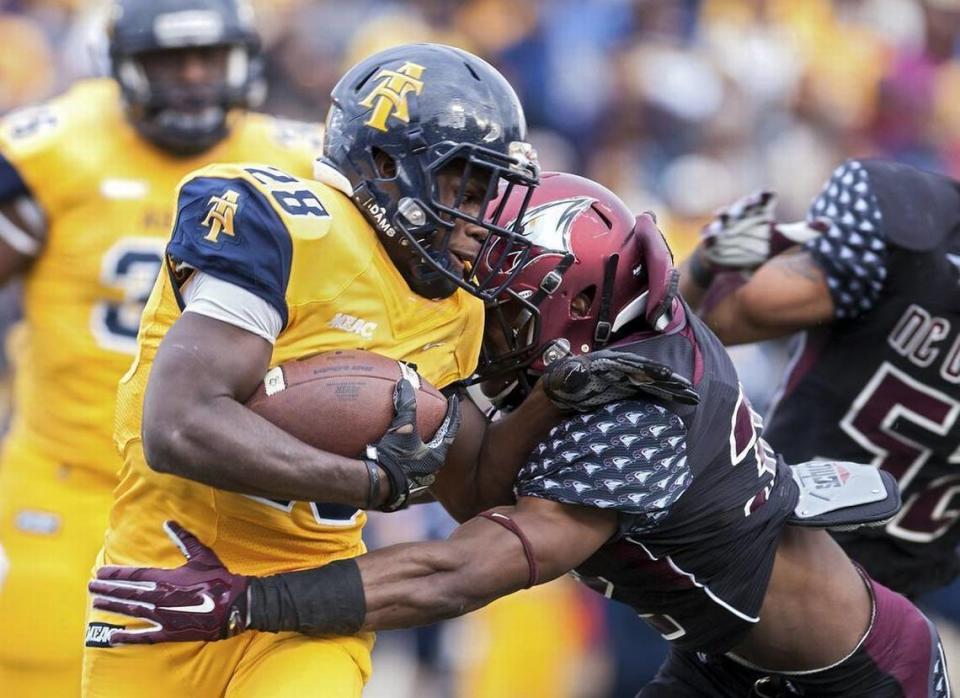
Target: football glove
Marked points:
745	234
583	383
198	601
411	465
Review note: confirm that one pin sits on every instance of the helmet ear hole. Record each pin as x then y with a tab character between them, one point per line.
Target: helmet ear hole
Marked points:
385	164
580	306
581	303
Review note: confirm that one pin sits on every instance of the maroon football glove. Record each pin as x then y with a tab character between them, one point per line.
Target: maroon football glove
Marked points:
199	601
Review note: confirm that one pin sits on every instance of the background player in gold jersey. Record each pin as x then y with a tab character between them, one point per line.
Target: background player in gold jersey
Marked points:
100	163
263	267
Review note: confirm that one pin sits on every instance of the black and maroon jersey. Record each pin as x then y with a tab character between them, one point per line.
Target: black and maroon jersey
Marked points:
700	496
881	384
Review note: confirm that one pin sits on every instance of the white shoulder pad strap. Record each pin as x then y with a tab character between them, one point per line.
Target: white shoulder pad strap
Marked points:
843	495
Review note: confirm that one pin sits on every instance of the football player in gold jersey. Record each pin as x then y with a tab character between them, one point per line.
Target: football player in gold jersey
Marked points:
100	164
263	267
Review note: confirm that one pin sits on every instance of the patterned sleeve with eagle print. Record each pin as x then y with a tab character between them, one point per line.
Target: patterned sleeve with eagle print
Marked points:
628	456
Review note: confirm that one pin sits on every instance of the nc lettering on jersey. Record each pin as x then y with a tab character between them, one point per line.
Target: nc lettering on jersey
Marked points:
389	97
220	216
349	323
916	336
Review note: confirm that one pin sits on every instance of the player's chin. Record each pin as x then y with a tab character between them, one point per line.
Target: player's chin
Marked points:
455	264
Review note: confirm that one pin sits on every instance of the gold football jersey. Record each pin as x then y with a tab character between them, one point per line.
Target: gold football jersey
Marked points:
107	195
305	249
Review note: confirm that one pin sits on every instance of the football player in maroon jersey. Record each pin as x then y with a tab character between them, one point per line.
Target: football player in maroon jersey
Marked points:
663	498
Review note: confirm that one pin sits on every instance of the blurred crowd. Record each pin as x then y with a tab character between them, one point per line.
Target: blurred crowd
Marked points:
680	106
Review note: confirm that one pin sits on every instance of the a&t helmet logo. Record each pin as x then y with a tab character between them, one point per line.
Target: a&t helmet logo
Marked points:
220	216
389	97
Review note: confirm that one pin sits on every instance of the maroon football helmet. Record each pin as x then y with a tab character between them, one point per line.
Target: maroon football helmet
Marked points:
586	280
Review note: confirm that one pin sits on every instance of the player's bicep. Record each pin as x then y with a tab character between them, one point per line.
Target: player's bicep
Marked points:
563	536
537	538
787	294
201	360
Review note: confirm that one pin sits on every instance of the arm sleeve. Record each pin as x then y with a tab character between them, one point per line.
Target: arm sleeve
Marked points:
629	456
227	229
25	236
853	253
12	186
227	302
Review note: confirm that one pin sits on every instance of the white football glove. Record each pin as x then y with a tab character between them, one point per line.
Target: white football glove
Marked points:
746	234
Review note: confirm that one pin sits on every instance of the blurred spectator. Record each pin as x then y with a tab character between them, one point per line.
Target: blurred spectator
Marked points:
26	62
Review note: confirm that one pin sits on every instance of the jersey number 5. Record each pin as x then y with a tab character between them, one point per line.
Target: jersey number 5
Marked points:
903	422
129	269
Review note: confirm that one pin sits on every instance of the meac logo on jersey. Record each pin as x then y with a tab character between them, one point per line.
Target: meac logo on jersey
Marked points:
220	216
356	325
389	98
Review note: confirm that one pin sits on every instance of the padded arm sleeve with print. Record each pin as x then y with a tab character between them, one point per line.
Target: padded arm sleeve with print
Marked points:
629	456
853	252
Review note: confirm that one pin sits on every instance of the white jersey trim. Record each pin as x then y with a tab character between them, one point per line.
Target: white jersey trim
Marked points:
221	300
713	597
25	241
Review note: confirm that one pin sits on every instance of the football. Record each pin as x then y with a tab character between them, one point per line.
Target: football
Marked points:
340	401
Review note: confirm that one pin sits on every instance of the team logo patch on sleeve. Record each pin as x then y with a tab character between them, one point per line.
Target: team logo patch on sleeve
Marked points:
98	634
219	218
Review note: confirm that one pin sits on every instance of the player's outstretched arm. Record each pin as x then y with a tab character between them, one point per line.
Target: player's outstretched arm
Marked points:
838	265
484	559
484	460
196	426
398	586
786	294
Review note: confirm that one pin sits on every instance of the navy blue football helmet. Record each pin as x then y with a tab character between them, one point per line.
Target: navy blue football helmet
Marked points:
183	119
428	109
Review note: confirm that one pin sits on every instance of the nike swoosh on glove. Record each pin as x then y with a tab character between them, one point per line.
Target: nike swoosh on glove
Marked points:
200	600
583	383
